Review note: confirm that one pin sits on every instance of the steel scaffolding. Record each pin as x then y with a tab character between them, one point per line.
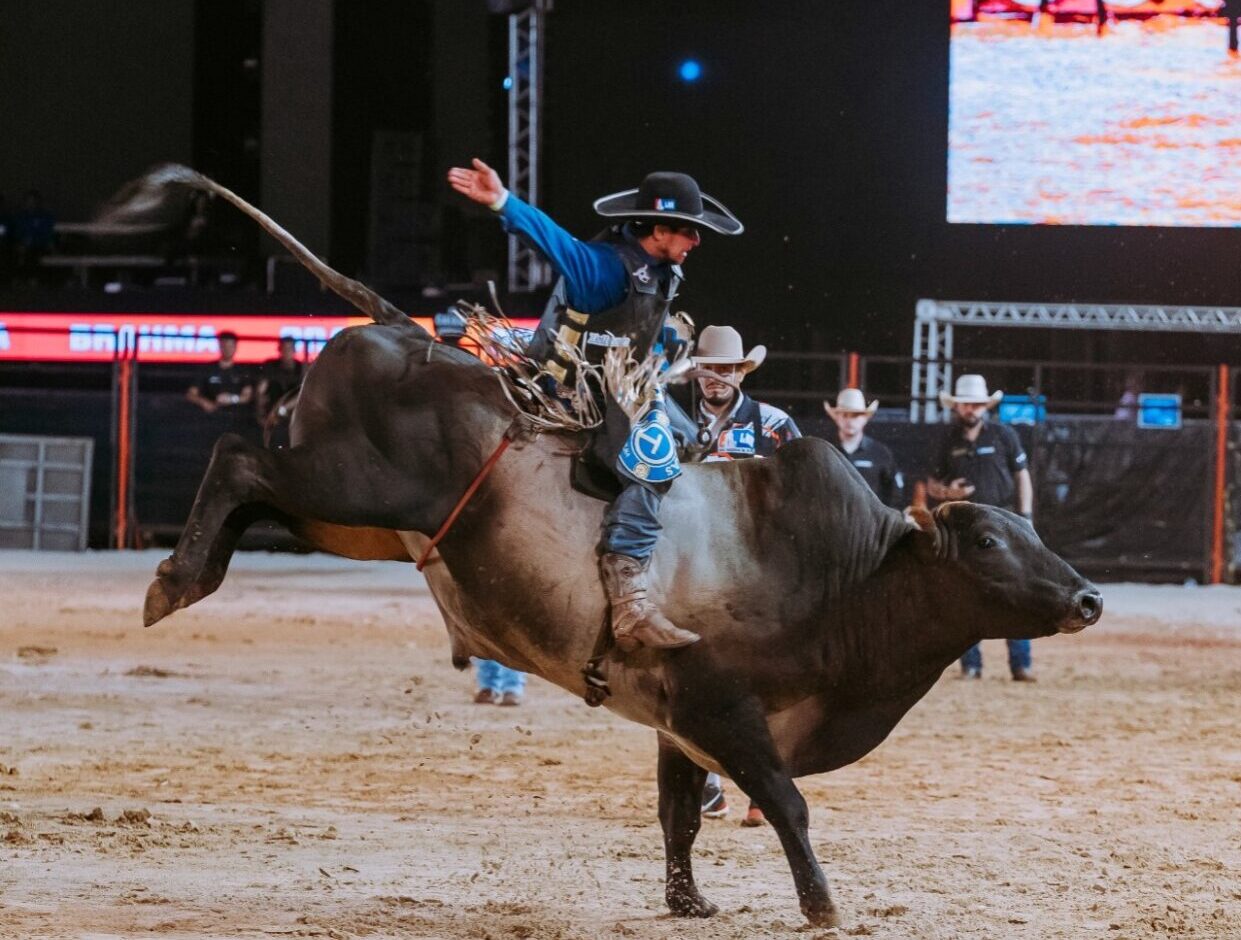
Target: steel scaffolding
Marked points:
527	271
934	321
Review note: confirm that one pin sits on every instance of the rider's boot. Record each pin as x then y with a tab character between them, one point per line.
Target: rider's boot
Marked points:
636	621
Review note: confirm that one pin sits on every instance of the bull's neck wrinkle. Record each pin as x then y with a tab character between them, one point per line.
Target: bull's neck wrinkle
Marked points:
889	636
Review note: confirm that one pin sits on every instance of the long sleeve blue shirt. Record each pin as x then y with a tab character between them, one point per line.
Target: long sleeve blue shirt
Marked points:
595	280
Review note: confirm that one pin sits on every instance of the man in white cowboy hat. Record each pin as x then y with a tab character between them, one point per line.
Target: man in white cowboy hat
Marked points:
737	426
870	458
983	463
615	291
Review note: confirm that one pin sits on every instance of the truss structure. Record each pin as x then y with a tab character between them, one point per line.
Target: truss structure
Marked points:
934	321
527	271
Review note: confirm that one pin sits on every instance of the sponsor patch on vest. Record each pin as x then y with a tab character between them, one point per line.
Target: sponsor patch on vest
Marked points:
606	339
643	274
863	463
651	453
738	440
986	450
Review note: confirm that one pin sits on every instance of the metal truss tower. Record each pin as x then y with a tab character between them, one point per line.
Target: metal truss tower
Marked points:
527	271
934	321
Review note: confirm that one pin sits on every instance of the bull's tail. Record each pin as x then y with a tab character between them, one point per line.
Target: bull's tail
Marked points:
147	194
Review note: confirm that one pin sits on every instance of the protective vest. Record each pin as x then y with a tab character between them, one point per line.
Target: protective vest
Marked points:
635	323
742	435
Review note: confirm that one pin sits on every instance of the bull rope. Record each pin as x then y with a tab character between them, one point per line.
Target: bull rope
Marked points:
468	494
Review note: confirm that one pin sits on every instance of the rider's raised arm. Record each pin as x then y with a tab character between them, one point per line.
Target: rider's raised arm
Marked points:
594	277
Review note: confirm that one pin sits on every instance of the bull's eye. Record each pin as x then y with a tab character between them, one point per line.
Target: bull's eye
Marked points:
986	542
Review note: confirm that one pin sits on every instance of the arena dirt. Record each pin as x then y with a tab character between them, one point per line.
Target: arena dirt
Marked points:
294	757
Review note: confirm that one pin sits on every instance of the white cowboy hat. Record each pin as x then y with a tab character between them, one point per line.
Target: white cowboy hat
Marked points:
971	390
850	401
721	346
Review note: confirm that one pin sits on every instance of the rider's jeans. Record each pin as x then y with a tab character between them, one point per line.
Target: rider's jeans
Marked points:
631	526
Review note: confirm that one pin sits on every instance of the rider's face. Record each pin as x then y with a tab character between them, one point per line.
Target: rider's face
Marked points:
715	392
674	244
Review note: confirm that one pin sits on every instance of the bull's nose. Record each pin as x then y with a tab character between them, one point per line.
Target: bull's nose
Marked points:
1089	606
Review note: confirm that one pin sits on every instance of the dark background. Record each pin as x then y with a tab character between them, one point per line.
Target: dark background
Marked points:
823	126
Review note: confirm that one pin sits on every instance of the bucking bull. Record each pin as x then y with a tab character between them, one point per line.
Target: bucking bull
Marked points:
824	615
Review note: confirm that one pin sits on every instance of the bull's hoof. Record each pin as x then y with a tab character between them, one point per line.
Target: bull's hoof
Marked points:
822	916
157	605
165	593
690	903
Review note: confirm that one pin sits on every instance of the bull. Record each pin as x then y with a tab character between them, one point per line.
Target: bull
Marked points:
824	615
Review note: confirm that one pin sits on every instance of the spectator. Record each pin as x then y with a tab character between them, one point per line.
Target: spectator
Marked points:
34	234
738	428
497	684
278	377
869	458
224	386
986	464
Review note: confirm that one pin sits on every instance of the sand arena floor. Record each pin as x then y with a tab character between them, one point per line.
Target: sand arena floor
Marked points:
294	757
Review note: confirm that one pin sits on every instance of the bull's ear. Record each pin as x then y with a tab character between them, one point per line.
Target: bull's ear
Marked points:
927	537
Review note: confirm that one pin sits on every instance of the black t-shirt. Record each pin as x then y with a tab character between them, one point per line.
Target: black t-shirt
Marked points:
878	468
217	380
280	381
989	464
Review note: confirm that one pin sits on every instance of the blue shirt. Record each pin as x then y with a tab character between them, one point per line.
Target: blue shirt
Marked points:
594	277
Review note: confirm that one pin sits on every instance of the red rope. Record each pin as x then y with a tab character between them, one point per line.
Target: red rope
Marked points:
461	503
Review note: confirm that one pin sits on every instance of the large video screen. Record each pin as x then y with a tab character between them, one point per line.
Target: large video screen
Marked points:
1095	112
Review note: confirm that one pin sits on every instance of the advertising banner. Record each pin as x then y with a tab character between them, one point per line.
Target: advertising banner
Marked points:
158	337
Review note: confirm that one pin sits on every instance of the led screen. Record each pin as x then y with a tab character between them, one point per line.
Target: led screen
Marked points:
1082	112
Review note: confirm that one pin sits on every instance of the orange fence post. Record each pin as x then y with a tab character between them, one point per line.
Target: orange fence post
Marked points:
124	449
854	370
1219	516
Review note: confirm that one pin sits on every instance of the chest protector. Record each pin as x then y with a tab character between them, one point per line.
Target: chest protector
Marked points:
742	436
634	324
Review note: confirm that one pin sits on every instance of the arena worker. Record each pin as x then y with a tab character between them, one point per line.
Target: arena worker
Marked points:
616	290
983	463
223	384
869	457
737	426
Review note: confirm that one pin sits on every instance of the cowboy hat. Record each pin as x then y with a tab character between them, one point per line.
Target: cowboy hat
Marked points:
850	401
721	346
663	197
971	390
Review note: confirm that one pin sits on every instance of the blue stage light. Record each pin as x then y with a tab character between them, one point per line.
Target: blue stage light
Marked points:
508	82
690	70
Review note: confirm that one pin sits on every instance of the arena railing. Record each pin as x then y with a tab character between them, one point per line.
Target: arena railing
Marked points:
1073	396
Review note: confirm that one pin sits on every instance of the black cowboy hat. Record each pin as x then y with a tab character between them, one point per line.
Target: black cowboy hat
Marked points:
666	196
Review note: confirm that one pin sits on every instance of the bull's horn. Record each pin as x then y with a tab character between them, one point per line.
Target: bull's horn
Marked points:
145	194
